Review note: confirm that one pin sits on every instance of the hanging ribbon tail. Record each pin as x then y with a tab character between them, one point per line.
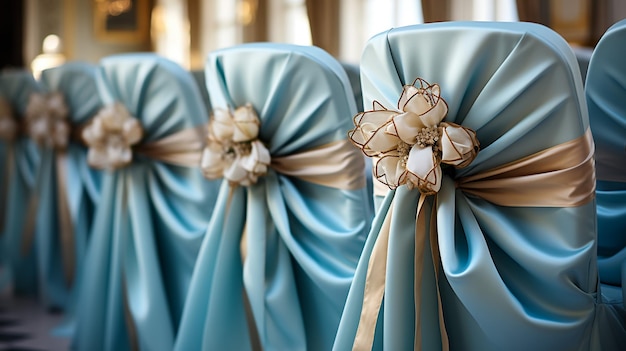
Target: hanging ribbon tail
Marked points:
374	288
131	329
28	232
436	256
128	317
420	244
66	234
9	162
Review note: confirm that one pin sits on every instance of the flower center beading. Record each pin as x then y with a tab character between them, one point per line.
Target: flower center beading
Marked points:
428	136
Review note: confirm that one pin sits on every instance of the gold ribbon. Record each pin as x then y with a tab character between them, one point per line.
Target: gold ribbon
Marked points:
183	148
334	165
560	176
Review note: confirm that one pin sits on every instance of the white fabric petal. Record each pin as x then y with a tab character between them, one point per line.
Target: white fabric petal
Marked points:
457	145
422	163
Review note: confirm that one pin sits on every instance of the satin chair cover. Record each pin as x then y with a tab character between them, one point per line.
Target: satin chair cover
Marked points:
150	219
77	82
16	86
511	278
354	77
198	77
605	91
303	240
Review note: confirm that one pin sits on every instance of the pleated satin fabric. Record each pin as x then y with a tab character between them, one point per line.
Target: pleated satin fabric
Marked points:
150	219
77	82
16	86
511	277
605	90
302	240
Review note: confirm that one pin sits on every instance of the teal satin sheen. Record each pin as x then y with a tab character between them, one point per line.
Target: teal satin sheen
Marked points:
150	219
513	278
77	83
606	88
303	240
16	87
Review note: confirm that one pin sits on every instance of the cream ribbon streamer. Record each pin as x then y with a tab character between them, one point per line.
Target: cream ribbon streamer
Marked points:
561	176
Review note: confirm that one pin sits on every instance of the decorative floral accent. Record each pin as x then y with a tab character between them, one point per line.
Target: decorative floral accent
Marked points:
409	144
8	126
233	150
46	120
110	136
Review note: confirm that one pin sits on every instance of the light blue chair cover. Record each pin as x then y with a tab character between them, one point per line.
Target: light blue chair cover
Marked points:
354	77
511	278
198	77
77	82
606	91
150	218
16	87
303	239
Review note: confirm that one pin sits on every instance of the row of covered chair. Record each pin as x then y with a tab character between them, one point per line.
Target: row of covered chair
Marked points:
156	227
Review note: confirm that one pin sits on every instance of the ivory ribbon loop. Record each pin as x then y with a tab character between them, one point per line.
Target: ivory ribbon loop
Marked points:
233	150
110	136
47	120
411	143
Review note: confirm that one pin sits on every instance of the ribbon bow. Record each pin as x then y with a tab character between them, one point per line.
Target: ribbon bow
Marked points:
8	126
110	136
46	120
410	144
233	150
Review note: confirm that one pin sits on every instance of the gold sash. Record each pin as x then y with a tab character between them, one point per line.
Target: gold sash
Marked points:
561	176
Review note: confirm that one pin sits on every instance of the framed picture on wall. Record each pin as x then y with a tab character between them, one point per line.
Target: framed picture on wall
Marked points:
121	21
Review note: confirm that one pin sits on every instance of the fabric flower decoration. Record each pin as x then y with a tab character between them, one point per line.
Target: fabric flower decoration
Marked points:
410	144
47	120
233	150
8	126
110	136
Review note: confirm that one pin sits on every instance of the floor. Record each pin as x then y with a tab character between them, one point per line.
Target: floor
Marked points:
26	326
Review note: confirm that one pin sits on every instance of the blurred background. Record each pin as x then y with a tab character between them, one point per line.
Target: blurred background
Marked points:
43	33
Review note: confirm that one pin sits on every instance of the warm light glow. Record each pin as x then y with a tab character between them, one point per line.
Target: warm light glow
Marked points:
114	7
51	44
